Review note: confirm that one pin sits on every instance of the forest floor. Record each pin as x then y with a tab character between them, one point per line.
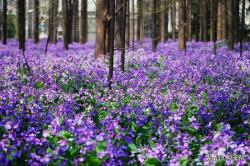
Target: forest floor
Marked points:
167	108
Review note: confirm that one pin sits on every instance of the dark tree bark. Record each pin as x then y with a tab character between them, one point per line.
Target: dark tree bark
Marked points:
70	20
4	41
53	12
133	25
123	36
224	19
182	20
166	2
128	25
213	20
203	21
21	23
65	24
36	22
155	26
111	41
140	21
236	20
173	19
189	20
230	28
76	20
242	28
162	20
118	24
84	22
101	21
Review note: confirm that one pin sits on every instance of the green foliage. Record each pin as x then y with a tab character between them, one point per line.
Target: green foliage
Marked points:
152	162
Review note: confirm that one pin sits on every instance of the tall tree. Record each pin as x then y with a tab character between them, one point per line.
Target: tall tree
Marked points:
133	25
21	23
242	27
224	19
219	22
182	20
128	24
53	11
162	20
76	20
4	41
166	19
70	21
83	21
189	21
101	20
140	21
230	18
203	21
36	22
236	20
65	12
173	19
111	40
155	25
123	43
118	24
213	20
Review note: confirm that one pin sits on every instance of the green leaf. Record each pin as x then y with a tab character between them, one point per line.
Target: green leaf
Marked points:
152	162
39	85
65	134
220	163
173	106
183	162
132	147
100	146
92	160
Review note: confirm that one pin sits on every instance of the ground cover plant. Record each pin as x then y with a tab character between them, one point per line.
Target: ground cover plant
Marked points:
167	108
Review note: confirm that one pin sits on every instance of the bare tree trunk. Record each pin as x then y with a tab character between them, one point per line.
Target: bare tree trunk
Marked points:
166	2
101	15
230	24
162	20
219	22
70	21
53	12
133	25
118	24
123	35
4	22
140	21
55	19
236	20
84	21
21	23
76	21
213	20
181	33
111	41
224	19
242	28
128	25
1	21
190	20
36	22
65	24
173	19
155	26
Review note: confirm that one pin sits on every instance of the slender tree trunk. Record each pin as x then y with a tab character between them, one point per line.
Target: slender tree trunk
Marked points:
213	20
219	22
101	16
133	25
123	35
173	19
242	27
53	12
111	41
65	24
230	24
224	19
21	23
236	20
118	24
70	21
140	21
36	22
128	25
181	33
155	26
84	21
75	20
190	20
55	19
166	2
162	20
1	21
4	22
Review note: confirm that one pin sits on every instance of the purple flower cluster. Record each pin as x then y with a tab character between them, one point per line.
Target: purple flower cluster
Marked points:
168	108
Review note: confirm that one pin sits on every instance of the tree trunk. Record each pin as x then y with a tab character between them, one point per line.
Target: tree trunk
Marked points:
4	22
155	26
36	22
242	28
70	20
162	20
236	20
65	24
84	21
224	19
53	11
219	22
173	19
111	41
118	24
213	20
140	21
133	25
190	20
123	35
128	25
101	15
203	21
75	20
181	33
21	23
166	2
230	24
